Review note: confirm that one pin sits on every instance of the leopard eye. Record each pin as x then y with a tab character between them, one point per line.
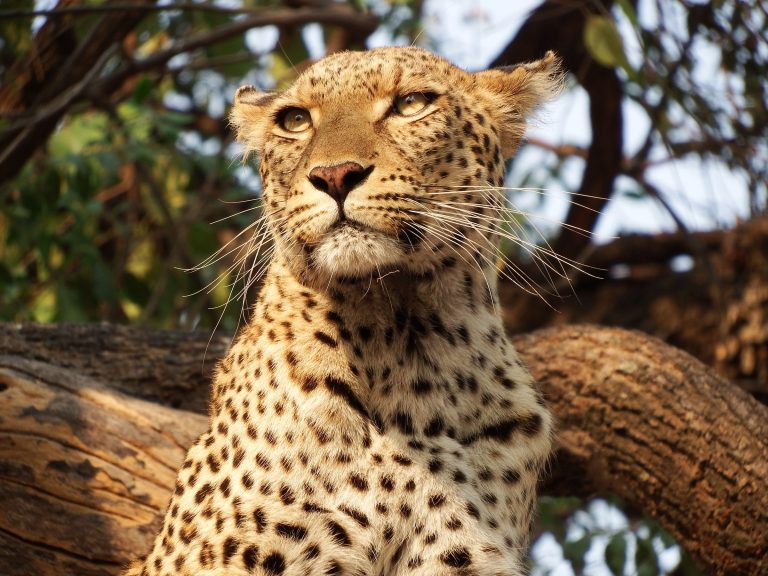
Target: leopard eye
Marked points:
295	120
411	104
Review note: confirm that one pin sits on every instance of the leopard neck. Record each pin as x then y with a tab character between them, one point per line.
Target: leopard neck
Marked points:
378	345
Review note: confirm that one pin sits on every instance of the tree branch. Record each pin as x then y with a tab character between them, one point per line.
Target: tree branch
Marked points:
20	143
637	418
604	157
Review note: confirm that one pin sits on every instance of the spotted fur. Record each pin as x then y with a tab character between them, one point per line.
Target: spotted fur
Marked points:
372	418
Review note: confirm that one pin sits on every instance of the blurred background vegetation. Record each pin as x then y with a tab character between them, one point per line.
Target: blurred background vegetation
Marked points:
118	174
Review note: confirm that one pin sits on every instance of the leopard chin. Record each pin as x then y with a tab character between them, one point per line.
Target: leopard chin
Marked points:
353	251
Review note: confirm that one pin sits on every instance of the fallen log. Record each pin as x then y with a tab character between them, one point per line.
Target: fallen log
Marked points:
85	469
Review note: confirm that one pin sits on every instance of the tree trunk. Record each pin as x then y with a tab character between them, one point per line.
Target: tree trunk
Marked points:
85	471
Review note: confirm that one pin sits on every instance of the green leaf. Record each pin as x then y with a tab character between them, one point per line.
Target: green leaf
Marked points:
136	289
645	558
629	11
142	90
202	239
575	550
604	42
616	554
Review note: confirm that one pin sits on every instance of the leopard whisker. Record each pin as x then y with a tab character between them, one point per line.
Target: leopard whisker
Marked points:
521	280
223	253
530	247
452	189
245	211
506	210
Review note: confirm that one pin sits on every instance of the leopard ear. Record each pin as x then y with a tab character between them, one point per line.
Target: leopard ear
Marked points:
516	91
250	116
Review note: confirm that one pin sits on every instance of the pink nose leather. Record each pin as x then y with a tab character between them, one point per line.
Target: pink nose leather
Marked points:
339	180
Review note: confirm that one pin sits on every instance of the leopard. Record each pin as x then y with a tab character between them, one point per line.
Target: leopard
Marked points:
372	416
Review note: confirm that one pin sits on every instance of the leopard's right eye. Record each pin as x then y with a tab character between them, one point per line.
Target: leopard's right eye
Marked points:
295	120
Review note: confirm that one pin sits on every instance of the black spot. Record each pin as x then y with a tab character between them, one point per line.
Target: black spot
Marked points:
250	556
501	431
204	491
456	558
511	476
326	339
262	461
344	390
439	327
334	317
274	563
260	519
421	387
531	425
230	549
365	333
338	534
358	481
489	498
434	427
286	495
436	500
401	459
403	422
309	384
388	533
356	515
291	531
312	551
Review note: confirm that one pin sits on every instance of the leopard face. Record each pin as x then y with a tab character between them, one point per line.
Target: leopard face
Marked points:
360	156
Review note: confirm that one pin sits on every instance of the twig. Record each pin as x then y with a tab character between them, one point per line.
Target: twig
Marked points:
84	10
339	16
55	107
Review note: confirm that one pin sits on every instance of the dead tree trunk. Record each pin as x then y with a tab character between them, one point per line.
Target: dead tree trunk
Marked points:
85	470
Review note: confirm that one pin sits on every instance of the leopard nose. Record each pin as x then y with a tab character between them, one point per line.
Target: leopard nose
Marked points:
339	180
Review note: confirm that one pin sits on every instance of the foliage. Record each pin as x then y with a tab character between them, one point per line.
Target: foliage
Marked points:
596	536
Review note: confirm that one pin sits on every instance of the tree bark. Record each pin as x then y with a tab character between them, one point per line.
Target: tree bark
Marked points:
85	470
717	310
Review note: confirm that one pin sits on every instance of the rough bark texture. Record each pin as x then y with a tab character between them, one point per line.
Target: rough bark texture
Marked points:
717	310
85	470
653	425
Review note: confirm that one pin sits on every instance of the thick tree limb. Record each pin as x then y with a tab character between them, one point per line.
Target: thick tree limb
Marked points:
84	472
717	310
651	424
637	418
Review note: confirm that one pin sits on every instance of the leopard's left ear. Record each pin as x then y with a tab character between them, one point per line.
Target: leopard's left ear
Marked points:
250	116
516	91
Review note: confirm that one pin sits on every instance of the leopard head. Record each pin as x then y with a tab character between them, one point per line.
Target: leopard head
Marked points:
367	158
